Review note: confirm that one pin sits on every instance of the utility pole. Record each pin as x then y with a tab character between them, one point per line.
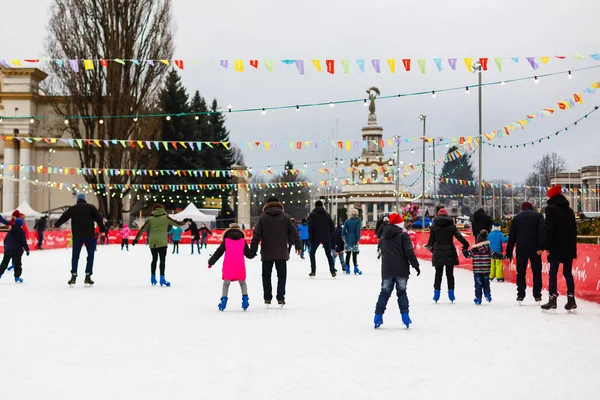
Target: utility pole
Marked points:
50	151
423	119
477	68
435	197
397	138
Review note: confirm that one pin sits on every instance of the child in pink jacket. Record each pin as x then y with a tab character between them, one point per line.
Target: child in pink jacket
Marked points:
234	267
125	233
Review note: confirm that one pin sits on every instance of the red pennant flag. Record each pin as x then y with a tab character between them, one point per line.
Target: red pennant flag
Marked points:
483	62
104	63
174	145
330	66
35	60
381	143
72	171
341	145
406	62
299	145
254	63
461	140
179	64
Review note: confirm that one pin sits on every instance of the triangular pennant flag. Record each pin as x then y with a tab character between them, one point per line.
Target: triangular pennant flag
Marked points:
469	64
392	64
74	65
483	61
545	60
376	65
119	61
515	59
361	65
422	62
166	62
16	62
88	64
150	62
498	61
254	63
179	64
532	62
330	64
438	63
224	63
317	64
136	62
452	63
578	56
346	66
300	66
288	62
60	63
406	63
269	65
595	56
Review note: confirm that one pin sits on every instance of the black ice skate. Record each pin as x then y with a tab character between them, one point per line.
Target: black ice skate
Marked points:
551	305
281	303
88	280
571	305
73	279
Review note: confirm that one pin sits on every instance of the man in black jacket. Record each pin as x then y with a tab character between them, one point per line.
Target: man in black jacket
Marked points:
40	227
481	221
82	216
560	245
527	232
397	255
320	231
274	230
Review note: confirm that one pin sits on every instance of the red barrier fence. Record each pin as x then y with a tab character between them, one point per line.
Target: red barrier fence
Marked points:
586	268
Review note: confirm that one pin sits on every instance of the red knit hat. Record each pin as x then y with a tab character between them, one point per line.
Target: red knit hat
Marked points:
16	214
442	212
526	206
396	219
554	191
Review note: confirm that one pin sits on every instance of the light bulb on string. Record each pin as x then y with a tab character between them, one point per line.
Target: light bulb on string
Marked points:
502	83
412	151
197	117
467	90
297	108
433	94
264	111
365	102
331	104
570	75
536	80
101	121
31	121
323	162
66	122
135	119
305	165
168	117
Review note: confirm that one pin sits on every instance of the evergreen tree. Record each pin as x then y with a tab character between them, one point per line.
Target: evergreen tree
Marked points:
459	168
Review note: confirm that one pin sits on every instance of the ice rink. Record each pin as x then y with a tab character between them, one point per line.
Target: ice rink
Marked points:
124	339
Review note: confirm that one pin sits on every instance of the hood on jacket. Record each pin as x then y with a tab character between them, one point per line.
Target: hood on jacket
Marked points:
559	200
233	233
273	208
319	210
157	212
480	244
125	226
391	231
481	211
443	222
495	228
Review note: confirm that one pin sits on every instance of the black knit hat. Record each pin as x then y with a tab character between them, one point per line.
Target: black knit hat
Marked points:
272	199
482	236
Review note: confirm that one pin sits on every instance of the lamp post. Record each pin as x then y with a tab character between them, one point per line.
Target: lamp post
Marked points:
423	119
50	151
397	170
477	68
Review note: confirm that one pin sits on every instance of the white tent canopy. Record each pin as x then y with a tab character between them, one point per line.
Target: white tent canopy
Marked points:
25	209
194	214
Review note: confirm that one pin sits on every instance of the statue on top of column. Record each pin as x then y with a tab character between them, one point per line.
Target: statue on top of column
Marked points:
372	97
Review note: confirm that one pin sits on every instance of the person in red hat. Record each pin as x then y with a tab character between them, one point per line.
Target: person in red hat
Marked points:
441	244
560	245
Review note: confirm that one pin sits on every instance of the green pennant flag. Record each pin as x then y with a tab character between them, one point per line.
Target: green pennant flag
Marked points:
499	63
346	66
269	65
422	62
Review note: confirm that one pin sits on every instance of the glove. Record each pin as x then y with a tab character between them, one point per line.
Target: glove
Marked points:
27	253
134	242
428	247
466	253
508	257
209	266
418	270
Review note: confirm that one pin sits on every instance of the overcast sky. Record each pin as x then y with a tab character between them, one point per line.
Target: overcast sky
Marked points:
352	29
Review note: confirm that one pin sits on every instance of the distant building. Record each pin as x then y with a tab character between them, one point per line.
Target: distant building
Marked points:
581	188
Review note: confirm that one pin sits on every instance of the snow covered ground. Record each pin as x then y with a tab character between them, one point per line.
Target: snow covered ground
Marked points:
124	339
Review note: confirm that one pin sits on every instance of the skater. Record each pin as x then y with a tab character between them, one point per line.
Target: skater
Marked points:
320	231
560	245
481	220
482	255
441	244
273	231
291	244
125	232
195	233
496	239
338	245
527	232
379	232
157	226
304	238
235	248
397	255
175	233
40	227
14	244
82	216
351	235
204	232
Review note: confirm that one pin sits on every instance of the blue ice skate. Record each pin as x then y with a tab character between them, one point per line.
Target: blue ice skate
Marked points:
347	269
378	321
245	303
164	282
357	271
406	320
488	297
153	280
451	295
18	280
223	303
10	268
436	295
477	301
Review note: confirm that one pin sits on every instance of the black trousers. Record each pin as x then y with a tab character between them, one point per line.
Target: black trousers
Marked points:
267	271
354	258
156	253
313	251
536	269
175	246
439	272
16	259
124	243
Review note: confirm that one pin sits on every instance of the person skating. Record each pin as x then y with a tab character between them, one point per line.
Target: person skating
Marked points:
204	232
273	231
125	233
351	235
40	227
482	255
397	255
83	216
15	243
496	239
527	233
291	244
320	231
235	248
441	244
338	245
157	226
16	214
560	246
303	231
175	233
195	233
480	221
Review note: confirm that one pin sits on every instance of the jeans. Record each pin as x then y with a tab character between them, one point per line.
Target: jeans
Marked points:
313	251
482	283
340	256
203	242
197	241
567	273
387	285
305	247
536	269
267	271
40	239
354	258
90	247
175	246
16	259
158	252
439	271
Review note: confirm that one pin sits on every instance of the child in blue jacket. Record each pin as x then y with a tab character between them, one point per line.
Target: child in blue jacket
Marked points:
175	233
14	244
303	231
497	239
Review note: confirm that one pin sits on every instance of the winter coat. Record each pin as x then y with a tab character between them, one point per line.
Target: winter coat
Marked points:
125	232
204	231
157	226
496	239
561	230
338	242
480	221
397	253
320	226
195	231
527	232
351	231
482	255
40	225
234	247
82	216
15	241
274	230
303	231
380	227
175	233
441	241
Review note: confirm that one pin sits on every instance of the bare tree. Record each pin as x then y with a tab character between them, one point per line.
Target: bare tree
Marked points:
544	169
109	29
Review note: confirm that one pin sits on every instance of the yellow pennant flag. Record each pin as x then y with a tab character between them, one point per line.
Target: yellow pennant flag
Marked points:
88	64
392	64
469	64
545	60
317	64
166	62
16	62
239	65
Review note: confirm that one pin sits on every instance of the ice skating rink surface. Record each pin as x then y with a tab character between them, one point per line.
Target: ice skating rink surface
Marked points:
124	339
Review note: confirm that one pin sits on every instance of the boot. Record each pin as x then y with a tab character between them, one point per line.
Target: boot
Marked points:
488	297
436	295
245	303
72	280
551	304
347	269
88	280
477	301
571	305
357	271
451	295
378	321
164	282
20	280
222	304
406	320
153	280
